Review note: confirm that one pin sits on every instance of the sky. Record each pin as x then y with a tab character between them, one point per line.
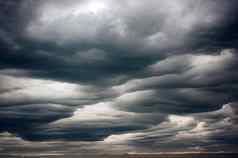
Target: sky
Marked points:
109	76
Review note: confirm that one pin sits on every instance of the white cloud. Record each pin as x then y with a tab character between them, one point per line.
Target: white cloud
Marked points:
122	138
201	126
97	112
227	110
102	114
213	63
210	124
23	90
177	128
9	138
134	97
181	121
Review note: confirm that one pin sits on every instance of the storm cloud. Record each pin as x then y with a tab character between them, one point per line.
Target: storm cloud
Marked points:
138	76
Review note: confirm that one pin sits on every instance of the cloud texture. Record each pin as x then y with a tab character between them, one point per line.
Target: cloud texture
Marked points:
138	76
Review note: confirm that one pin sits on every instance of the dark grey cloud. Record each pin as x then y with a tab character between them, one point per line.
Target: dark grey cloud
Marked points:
140	76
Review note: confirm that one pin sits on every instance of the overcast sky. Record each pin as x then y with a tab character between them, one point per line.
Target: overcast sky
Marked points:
117	76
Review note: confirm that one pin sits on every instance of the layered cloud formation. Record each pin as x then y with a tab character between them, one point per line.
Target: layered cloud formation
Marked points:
135	76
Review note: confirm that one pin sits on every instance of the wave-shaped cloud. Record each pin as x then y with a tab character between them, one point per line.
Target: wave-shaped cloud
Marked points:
118	76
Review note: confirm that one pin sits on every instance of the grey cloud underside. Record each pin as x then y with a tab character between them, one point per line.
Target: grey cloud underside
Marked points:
138	76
